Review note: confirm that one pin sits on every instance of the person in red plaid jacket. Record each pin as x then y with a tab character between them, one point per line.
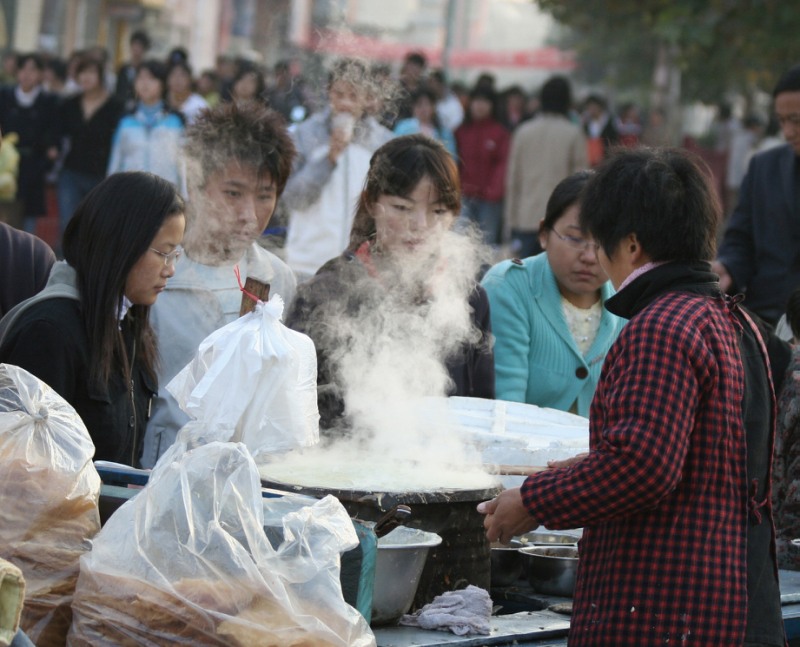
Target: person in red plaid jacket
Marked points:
674	495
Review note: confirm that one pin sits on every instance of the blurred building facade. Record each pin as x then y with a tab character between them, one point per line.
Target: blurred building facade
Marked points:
508	37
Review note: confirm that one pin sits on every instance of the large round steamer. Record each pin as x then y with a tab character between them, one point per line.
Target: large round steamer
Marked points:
462	558
505	433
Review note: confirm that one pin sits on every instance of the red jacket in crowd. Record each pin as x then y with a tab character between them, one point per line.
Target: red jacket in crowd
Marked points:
482	159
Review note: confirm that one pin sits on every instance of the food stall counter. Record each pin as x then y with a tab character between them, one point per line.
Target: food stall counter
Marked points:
549	629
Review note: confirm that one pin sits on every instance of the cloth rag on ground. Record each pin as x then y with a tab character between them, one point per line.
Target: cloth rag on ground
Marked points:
463	612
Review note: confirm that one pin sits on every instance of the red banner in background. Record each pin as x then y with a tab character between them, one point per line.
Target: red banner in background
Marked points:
346	44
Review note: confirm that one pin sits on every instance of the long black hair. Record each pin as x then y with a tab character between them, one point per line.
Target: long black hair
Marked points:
113	226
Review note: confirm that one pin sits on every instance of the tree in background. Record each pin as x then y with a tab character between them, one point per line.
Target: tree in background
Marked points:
674	50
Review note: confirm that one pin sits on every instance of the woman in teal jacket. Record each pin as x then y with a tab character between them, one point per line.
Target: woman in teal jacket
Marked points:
551	330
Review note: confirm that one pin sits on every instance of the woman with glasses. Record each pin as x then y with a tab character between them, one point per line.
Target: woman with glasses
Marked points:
551	330
87	334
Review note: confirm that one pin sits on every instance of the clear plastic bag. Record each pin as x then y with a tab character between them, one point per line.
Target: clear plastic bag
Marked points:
49	490
258	377
188	562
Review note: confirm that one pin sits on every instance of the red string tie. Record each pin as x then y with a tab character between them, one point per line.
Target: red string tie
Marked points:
241	287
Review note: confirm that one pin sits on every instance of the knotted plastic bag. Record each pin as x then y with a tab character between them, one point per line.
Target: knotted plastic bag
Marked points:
187	561
255	376
49	491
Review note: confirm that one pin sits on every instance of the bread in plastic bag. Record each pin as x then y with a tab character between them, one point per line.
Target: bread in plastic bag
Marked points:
257	376
49	490
187	561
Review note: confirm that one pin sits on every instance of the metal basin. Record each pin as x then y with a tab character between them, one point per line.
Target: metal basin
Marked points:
398	566
552	569
508	566
542	538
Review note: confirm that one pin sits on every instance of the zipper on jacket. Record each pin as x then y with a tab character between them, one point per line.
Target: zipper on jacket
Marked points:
133	403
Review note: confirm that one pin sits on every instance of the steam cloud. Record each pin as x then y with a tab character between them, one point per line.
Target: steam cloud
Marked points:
391	362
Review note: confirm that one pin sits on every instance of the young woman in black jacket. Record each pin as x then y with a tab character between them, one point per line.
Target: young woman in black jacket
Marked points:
87	333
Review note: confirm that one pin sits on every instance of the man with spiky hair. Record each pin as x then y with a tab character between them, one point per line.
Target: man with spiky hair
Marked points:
238	158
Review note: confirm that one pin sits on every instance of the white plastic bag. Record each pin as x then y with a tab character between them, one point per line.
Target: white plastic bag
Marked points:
49	491
187	562
258	377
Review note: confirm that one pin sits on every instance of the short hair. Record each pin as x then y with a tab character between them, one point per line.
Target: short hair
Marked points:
483	92
58	66
156	68
556	96
247	132
663	196
789	82
486	79
566	193
416	58
597	100
112	227
248	67
793	313
140	36
438	75
177	55
24	59
424	91
395	169
183	65
89	62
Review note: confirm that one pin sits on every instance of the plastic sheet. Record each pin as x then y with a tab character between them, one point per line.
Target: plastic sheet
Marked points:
198	557
49	491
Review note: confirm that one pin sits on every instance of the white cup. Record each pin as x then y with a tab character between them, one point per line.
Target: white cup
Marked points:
345	123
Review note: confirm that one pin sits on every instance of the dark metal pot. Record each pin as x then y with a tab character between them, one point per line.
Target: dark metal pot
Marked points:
508	565
552	569
463	557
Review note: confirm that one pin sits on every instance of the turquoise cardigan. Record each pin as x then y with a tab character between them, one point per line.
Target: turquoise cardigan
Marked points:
536	359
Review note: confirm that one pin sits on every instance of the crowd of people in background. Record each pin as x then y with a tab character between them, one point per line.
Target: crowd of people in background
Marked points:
78	119
346	164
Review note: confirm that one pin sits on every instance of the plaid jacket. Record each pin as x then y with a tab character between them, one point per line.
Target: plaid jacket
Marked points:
663	495
786	477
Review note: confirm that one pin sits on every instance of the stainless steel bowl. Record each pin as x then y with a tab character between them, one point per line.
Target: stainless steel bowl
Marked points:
552	569
401	557
541	538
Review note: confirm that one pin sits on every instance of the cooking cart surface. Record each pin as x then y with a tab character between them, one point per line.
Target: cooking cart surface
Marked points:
549	629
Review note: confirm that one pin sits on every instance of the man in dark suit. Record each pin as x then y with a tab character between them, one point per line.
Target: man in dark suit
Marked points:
760	251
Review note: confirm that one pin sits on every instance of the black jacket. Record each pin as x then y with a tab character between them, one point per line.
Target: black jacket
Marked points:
25	263
761	246
49	341
37	128
89	140
344	288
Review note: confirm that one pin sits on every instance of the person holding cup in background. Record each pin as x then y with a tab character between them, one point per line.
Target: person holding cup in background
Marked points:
334	147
